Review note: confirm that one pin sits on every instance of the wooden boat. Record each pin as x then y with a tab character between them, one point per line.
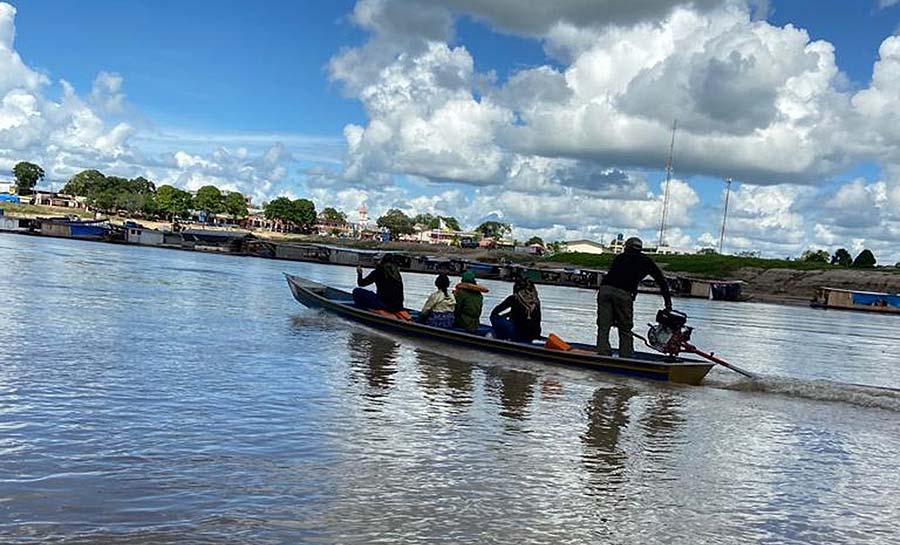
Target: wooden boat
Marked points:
645	365
865	301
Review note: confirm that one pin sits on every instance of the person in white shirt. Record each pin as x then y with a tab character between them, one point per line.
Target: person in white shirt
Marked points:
438	309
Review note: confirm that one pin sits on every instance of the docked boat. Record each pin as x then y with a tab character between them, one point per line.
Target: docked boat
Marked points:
866	301
645	365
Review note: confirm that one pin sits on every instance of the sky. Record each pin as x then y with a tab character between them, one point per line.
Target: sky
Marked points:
556	119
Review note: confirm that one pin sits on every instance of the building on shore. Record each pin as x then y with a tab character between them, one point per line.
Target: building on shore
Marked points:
58	200
330	228
584	247
443	237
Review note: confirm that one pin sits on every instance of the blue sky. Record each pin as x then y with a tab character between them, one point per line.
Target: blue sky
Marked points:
222	83
204	65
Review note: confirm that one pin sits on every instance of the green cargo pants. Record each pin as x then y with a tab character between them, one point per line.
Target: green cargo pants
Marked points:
615	307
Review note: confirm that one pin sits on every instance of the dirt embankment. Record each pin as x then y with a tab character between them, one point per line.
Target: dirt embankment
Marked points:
792	286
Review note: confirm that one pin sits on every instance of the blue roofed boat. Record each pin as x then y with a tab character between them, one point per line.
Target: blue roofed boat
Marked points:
642	364
866	301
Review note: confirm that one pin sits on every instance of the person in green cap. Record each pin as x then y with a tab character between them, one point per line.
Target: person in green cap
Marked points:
469	300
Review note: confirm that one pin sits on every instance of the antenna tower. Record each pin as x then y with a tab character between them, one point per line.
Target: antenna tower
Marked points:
725	215
669	168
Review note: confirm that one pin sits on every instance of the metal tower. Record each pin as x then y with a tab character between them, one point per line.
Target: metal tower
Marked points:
725	215
669	169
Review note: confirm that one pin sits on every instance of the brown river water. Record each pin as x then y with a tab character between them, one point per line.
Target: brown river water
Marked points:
151	396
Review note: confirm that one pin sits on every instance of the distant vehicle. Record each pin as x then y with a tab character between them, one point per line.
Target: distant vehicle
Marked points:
468	243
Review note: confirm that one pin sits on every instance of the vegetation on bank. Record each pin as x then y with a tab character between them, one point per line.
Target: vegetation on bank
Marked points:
709	265
30	210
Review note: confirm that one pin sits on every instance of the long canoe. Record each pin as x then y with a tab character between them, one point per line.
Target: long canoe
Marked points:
642	364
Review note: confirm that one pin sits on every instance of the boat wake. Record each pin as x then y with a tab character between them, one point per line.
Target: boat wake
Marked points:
815	389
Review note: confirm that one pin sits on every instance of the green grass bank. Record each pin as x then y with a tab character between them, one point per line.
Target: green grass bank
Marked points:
718	266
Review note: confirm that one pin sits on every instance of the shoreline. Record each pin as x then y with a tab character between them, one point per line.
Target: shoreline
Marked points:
779	297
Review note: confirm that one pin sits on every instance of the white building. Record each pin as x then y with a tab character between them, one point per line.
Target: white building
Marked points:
584	247
8	187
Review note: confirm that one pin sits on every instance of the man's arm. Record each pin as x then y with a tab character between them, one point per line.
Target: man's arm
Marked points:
660	280
507	303
364	281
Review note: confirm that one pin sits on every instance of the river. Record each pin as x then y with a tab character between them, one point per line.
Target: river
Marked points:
156	396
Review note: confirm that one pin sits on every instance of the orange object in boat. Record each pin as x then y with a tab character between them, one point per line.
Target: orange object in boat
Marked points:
555	343
402	315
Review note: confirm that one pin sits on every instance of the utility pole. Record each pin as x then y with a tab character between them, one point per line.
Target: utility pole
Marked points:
725	215
669	168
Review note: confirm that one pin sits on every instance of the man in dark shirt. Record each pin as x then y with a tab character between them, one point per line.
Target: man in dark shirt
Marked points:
615	299
388	286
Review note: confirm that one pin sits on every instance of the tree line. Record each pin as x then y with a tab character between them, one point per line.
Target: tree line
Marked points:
140	196
842	258
398	223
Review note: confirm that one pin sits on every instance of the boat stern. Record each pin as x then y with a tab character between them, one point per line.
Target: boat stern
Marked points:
692	374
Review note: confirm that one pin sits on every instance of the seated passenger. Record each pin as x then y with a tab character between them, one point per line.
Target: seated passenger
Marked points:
388	287
438	309
469	301
522	322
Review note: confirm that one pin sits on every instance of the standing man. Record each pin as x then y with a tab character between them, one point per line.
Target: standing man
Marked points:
615	299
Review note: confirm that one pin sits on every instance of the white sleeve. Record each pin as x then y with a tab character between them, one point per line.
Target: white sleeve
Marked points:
432	300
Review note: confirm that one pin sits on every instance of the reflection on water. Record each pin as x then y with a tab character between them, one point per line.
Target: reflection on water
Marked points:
145	400
515	389
375	359
445	377
607	418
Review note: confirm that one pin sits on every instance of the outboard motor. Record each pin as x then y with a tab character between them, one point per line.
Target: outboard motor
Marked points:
669	334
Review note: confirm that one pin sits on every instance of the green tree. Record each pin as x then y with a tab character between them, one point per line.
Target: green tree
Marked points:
27	176
426	220
142	186
494	229
113	193
396	222
431	221
535	240
299	213
173	201
235	205
84	183
150	208
865	260
335	216
279	209
304	214
451	223
210	200
815	256
707	251
842	257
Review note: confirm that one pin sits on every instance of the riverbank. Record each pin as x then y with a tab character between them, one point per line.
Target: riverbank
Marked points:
778	281
766	280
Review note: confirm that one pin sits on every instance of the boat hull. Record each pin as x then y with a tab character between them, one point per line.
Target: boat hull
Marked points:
647	366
